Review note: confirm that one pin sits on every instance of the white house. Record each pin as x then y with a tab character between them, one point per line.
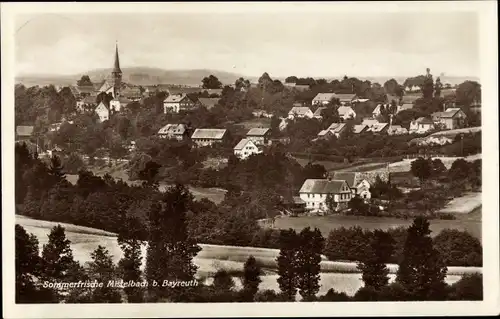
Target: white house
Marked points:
358	185
396	130
452	118
245	148
208	136
300	112
377	111
314	193
177	102
119	103
404	107
346	99
323	98
335	129
103	112
421	125
346	112
173	131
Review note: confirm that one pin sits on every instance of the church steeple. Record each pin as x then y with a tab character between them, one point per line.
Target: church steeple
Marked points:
116	73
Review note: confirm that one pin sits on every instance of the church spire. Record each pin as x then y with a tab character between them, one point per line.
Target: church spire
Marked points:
116	74
117	69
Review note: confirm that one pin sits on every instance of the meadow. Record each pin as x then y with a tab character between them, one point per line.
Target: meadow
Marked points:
342	276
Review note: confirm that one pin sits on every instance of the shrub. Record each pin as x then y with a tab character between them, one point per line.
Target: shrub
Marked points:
333	295
469	287
73	163
347	243
458	248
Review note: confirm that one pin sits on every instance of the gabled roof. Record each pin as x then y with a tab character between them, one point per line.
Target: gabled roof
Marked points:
101	105
343	110
24	130
349	177
174	129
89	100
451	112
359	128
300	110
209	133
379	127
208	102
241	144
377	109
369	122
345	97
336	127
324	97
257	131
174	98
404	107
321	186
423	120
122	100
319	110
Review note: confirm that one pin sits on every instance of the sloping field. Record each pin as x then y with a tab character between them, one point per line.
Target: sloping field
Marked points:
452	133
464	204
342	276
256	122
405	165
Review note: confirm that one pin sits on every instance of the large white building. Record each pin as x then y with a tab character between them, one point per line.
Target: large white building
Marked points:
314	193
246	148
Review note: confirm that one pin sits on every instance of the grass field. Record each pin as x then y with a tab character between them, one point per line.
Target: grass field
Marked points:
464	204
256	122
327	223
405	165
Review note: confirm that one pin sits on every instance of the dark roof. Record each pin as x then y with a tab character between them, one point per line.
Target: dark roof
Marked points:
208	102
257	131
321	186
349	177
116	68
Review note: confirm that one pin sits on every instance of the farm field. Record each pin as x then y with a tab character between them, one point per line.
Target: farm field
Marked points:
464	204
327	223
342	276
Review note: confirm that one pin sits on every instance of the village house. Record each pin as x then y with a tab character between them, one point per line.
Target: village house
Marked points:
379	128
318	113
208	102
335	129
360	128
183	90
208	136
245	148
323	98
396	130
346	99
300	112
174	131
292	206
176	103
314	193
346	112
24	132
258	135
119	103
421	125
377	111
358	185
262	113
404	107
85	103
452	118
130	92
369	122
102	112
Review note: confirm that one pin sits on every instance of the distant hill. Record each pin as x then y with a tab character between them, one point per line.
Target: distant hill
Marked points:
135	75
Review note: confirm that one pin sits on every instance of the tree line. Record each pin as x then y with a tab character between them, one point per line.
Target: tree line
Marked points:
43	278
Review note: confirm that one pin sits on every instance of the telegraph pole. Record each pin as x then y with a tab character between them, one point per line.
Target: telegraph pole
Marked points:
462	144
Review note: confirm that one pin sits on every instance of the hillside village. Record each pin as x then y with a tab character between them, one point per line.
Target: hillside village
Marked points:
420	109
324	190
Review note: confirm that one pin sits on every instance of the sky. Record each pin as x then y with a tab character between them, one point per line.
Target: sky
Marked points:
282	44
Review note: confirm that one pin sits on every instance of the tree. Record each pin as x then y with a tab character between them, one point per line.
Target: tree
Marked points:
73	164
421	168
170	250
251	278
330	115
211	82
291	79
469	287
438	86
84	81
130	264
27	266
308	262
373	266
103	271
241	83
57	258
438	167
287	268
422	270
459	248
223	282
428	86
358	206
459	170
56	170
391	86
